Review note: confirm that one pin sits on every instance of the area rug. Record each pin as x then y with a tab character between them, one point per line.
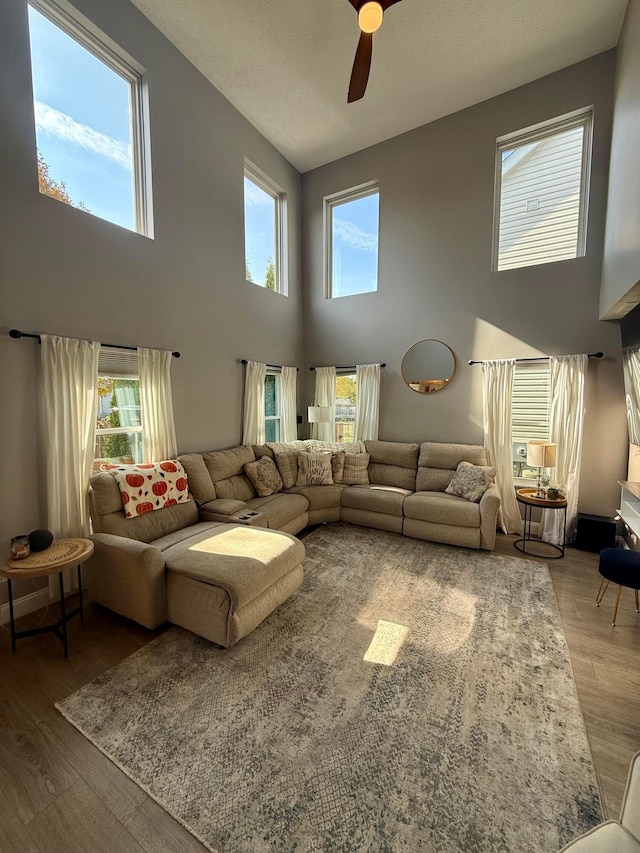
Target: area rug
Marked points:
410	697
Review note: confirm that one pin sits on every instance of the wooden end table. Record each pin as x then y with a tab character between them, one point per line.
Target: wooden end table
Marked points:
529	499
61	555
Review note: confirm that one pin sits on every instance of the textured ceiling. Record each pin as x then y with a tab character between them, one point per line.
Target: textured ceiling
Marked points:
285	64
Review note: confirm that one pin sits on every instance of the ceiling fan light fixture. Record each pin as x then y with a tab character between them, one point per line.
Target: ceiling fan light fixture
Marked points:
370	16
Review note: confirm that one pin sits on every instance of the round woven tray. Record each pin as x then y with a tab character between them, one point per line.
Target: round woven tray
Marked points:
59	555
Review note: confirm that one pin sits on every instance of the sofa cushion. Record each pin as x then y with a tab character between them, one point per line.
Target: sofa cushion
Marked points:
183	534
375	498
471	481
108	516
244	561
200	483
279	509
438	462
398	453
356	469
314	469
264	476
223	506
319	497
287	462
226	468
440	508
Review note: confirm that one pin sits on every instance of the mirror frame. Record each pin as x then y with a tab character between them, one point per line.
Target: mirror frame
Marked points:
446	382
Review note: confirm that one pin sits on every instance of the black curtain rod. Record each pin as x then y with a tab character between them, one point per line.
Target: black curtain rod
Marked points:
543	358
271	366
351	366
16	333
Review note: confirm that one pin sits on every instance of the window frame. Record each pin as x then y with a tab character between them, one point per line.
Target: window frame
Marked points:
75	25
544	130
260	178
336	200
277	418
531	365
340	373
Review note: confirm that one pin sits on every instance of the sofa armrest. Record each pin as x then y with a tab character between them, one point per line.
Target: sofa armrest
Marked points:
128	576
489	506
221	509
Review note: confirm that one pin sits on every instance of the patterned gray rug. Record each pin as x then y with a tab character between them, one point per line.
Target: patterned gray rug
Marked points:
410	697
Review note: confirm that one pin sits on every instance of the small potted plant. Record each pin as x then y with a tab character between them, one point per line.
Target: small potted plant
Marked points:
555	491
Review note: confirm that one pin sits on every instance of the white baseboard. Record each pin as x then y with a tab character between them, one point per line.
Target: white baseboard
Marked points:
25	604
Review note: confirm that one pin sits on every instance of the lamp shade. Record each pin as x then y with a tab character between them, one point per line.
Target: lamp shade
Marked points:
541	454
319	414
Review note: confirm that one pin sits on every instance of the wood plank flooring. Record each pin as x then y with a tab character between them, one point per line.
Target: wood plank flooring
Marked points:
59	794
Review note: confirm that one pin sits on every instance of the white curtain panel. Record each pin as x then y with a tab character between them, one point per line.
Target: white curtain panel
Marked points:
253	426
287	404
156	404
631	368
498	391
70	385
326	396
566	418
367	402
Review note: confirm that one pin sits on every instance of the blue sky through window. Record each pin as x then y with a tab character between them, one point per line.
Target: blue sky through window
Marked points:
354	250
83	122
259	230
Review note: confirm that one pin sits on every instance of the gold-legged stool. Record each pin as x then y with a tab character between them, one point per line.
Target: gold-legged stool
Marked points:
620	566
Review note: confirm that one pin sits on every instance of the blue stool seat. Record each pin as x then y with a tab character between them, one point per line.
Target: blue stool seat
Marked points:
620	566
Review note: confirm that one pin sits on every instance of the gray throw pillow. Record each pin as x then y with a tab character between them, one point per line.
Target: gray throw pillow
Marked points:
264	476
470	481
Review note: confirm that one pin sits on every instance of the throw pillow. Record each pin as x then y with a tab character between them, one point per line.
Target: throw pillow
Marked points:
264	476
314	469
356	471
337	467
471	481
150	486
287	462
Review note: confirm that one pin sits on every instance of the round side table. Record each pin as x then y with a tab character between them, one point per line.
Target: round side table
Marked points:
61	555
529	499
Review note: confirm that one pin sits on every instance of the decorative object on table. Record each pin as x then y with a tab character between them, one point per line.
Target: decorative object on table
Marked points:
541	454
20	547
349	741
531	499
555	491
621	566
40	539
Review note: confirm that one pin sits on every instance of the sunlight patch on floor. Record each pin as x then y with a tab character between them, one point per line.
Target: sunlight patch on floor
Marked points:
386	643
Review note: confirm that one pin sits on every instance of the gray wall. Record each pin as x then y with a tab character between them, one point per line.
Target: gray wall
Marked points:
621	269
435	279
69	273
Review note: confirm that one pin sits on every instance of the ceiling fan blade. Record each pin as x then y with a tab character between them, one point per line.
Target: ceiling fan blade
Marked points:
361	67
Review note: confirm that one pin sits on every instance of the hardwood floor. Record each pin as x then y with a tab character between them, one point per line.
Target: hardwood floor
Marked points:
59	794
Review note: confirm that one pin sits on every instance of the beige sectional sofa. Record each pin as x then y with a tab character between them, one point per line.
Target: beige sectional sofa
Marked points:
186	563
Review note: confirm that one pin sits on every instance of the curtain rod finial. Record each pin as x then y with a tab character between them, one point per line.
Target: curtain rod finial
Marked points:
15	333
175	354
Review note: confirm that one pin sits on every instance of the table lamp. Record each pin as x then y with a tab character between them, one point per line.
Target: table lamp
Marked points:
541	454
319	414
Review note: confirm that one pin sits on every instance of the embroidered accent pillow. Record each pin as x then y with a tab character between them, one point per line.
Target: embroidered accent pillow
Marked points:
470	481
151	486
356	469
287	462
264	476
314	469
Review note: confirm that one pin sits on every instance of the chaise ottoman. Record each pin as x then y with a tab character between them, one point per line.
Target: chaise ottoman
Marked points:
223	582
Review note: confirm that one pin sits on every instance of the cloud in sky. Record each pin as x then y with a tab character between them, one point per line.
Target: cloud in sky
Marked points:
354	236
254	196
60	125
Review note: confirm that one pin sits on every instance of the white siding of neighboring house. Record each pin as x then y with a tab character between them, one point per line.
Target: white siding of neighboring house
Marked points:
546	180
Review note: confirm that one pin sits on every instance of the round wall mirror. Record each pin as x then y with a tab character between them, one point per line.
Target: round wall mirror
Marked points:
428	366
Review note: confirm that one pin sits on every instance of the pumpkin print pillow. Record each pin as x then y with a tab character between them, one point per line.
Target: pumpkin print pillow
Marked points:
150	486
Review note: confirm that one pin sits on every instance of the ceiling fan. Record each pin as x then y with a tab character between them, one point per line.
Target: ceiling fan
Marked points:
370	14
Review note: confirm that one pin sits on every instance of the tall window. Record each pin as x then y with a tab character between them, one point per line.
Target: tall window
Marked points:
345	410
89	113
119	434
351	238
530	412
542	181
271	407
264	230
